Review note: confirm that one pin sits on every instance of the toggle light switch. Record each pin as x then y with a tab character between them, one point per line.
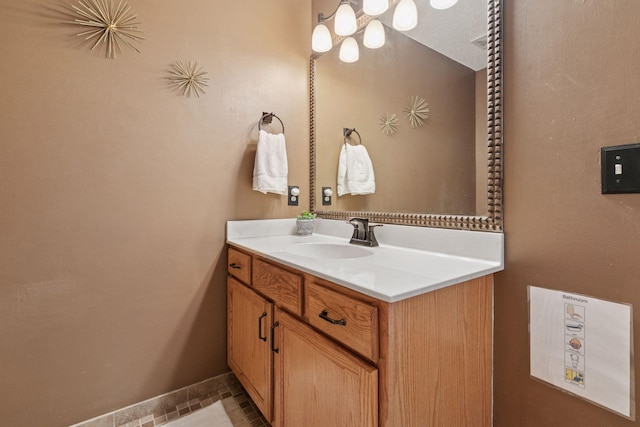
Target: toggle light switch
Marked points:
620	169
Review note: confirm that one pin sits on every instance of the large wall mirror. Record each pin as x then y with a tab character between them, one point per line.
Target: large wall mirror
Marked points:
445	173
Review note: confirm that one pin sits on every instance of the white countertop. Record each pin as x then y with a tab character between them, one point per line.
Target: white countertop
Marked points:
420	259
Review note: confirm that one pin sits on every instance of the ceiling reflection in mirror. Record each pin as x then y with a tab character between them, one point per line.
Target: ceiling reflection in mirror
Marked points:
438	167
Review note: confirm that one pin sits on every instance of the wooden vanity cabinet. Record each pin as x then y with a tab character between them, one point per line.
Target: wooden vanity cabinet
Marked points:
295	375
335	357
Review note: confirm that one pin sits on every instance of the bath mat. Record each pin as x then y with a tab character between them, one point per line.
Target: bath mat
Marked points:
211	416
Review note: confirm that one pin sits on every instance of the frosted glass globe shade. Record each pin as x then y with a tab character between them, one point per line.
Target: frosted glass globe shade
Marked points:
374	36
442	4
405	17
349	51
375	7
345	20
321	39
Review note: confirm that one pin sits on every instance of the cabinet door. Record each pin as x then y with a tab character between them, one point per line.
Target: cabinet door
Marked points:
248	351
317	382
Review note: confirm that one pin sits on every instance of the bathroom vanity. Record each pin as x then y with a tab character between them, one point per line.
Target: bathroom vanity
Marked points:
323	334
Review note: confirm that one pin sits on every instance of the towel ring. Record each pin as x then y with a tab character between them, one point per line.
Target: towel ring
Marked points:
267	118
347	133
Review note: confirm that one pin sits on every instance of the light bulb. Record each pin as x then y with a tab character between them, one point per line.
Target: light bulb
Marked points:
374	36
345	20
349	51
405	17
442	4
375	7
321	39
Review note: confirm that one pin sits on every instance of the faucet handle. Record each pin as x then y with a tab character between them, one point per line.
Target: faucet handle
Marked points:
360	228
356	220
371	237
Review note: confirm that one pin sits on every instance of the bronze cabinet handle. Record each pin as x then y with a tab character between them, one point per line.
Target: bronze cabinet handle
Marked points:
275	325
325	316
262	316
234	265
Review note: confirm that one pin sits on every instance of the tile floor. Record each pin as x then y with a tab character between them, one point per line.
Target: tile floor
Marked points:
239	407
160	410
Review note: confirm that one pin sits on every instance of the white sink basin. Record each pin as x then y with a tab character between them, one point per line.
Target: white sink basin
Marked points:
328	250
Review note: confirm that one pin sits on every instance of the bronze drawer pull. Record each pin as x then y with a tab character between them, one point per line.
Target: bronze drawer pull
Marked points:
325	315
262	316
275	350
234	265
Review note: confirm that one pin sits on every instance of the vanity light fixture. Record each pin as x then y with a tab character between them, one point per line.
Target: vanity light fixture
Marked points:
405	17
442	4
374	36
349	51
375	7
345	24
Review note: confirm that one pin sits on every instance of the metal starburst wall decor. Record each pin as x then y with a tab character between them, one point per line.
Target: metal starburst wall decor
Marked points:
417	111
389	123
108	24
188	78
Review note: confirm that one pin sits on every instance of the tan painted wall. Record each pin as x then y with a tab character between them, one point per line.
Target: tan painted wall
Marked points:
114	193
571	87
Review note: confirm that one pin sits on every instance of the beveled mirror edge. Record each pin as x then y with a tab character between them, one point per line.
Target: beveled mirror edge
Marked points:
491	222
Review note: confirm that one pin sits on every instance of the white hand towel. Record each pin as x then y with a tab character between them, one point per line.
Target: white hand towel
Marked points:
270	169
355	171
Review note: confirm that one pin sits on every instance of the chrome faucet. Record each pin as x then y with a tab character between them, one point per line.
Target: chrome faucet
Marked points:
363	232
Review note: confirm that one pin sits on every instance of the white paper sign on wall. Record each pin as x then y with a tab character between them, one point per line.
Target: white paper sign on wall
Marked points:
583	345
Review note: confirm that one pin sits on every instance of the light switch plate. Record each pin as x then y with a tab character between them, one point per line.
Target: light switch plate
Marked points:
620	169
326	200
292	200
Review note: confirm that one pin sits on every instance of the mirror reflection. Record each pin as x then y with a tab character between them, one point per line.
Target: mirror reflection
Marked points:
436	167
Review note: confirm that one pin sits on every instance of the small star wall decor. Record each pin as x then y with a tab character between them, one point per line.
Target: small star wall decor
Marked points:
389	123
108	24
188	78
417	111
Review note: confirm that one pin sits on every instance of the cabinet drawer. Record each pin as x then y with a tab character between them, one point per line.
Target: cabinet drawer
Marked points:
239	265
350	321
282	286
